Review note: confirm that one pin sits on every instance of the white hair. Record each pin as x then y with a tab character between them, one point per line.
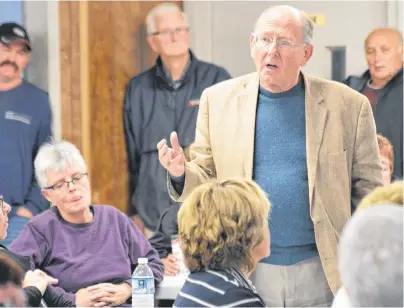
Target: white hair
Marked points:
56	156
161	9
307	24
370	257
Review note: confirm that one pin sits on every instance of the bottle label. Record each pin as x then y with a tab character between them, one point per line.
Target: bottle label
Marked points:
142	285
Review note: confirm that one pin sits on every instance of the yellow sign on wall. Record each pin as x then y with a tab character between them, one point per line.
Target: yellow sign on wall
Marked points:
318	19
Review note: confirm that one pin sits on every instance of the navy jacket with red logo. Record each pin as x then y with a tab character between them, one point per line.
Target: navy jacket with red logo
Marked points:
154	107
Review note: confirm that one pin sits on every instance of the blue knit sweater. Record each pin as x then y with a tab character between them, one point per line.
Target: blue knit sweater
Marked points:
280	168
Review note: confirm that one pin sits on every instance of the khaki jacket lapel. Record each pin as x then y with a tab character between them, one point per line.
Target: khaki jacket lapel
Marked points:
247	101
316	115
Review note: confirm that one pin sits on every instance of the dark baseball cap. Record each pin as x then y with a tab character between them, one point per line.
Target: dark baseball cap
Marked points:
12	32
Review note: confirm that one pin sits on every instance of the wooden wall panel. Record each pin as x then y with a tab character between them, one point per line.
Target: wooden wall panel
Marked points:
116	50
101	100
70	68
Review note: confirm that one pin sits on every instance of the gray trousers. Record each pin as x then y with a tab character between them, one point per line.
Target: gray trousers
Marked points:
299	285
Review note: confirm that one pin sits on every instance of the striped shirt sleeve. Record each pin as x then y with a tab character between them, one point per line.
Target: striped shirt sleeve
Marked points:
241	297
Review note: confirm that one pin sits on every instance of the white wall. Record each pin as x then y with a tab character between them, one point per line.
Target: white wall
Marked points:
395	14
54	72
221	29
34	14
41	19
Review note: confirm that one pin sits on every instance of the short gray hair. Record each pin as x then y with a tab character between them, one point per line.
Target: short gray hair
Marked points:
161	9
56	156
307	24
370	257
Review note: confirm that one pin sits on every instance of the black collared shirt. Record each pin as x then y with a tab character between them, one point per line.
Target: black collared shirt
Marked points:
175	84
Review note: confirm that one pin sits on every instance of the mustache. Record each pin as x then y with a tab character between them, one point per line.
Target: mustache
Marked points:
9	63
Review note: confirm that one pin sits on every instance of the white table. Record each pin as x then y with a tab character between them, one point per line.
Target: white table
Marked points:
170	286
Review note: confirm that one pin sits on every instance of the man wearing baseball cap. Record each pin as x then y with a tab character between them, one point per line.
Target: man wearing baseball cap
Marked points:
12	32
25	123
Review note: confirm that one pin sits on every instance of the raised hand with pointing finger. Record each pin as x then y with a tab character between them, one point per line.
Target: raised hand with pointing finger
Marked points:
172	159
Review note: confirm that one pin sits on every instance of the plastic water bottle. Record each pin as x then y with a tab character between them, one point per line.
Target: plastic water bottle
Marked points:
143	285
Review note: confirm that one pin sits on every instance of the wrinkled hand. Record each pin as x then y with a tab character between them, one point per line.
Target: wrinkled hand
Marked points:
83	299
111	294
171	267
172	159
24	212
38	279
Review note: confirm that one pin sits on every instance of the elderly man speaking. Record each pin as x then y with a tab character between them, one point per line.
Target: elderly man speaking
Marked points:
309	143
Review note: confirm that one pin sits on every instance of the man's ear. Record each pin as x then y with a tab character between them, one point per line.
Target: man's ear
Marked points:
253	40
308	52
152	43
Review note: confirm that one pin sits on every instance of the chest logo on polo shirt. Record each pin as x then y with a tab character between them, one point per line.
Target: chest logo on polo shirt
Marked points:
12	115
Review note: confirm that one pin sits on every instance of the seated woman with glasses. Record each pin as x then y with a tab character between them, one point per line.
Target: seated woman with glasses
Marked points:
91	249
224	232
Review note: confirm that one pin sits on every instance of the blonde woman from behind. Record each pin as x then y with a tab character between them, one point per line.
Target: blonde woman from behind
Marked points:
224	231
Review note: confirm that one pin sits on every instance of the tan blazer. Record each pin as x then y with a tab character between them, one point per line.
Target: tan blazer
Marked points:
343	159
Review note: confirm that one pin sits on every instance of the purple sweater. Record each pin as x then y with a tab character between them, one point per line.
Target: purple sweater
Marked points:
81	255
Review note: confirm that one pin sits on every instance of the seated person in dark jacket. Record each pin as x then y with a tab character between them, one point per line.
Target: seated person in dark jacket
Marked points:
91	249
166	228
11	277
224	231
382	84
34	283
161	239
